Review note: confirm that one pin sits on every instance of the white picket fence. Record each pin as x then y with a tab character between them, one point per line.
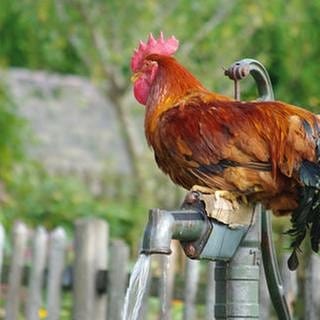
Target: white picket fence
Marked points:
100	275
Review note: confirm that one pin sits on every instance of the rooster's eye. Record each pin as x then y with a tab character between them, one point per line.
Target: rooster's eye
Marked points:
149	64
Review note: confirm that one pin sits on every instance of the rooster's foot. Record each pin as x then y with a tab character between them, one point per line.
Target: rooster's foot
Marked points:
234	197
203	189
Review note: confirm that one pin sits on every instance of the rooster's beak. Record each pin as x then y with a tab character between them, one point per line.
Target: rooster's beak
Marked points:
135	76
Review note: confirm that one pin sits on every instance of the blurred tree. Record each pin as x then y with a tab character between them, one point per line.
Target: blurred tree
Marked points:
29	38
96	38
34	195
104	35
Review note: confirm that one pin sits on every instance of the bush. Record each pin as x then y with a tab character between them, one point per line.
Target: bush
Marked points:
37	197
12	132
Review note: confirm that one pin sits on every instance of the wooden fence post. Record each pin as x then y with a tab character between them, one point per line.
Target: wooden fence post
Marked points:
39	255
210	291
167	266
312	292
192	279
117	278
91	247
58	242
19	235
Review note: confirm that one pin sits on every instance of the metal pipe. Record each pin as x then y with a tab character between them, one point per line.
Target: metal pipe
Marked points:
163	226
200	236
237	282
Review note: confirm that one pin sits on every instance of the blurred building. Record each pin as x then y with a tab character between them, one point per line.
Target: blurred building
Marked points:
74	127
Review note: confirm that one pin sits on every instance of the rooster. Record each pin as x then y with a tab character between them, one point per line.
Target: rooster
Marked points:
268	152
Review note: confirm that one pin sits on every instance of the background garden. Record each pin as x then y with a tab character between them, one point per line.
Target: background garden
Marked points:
71	135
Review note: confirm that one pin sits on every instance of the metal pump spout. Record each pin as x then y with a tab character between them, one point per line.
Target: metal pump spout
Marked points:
158	233
187	226
200	236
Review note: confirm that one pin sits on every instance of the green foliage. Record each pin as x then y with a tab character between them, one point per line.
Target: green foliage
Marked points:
28	192
12	133
31	36
96	38
37	197
287	43
88	37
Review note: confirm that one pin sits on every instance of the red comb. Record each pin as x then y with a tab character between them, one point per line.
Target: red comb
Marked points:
158	46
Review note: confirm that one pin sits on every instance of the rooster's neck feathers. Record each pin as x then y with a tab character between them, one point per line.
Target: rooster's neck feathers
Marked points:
172	82
173	86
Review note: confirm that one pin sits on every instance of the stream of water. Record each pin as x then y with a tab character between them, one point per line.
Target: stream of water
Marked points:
165	286
137	287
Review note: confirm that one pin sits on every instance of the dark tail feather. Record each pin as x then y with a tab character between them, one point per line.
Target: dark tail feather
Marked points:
307	215
315	228
315	236
293	261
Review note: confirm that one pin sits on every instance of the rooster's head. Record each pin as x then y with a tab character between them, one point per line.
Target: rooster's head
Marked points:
144	70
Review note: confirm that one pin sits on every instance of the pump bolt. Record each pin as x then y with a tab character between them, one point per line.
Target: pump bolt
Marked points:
192	197
190	250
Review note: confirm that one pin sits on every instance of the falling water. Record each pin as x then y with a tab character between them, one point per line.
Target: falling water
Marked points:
164	296
137	287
